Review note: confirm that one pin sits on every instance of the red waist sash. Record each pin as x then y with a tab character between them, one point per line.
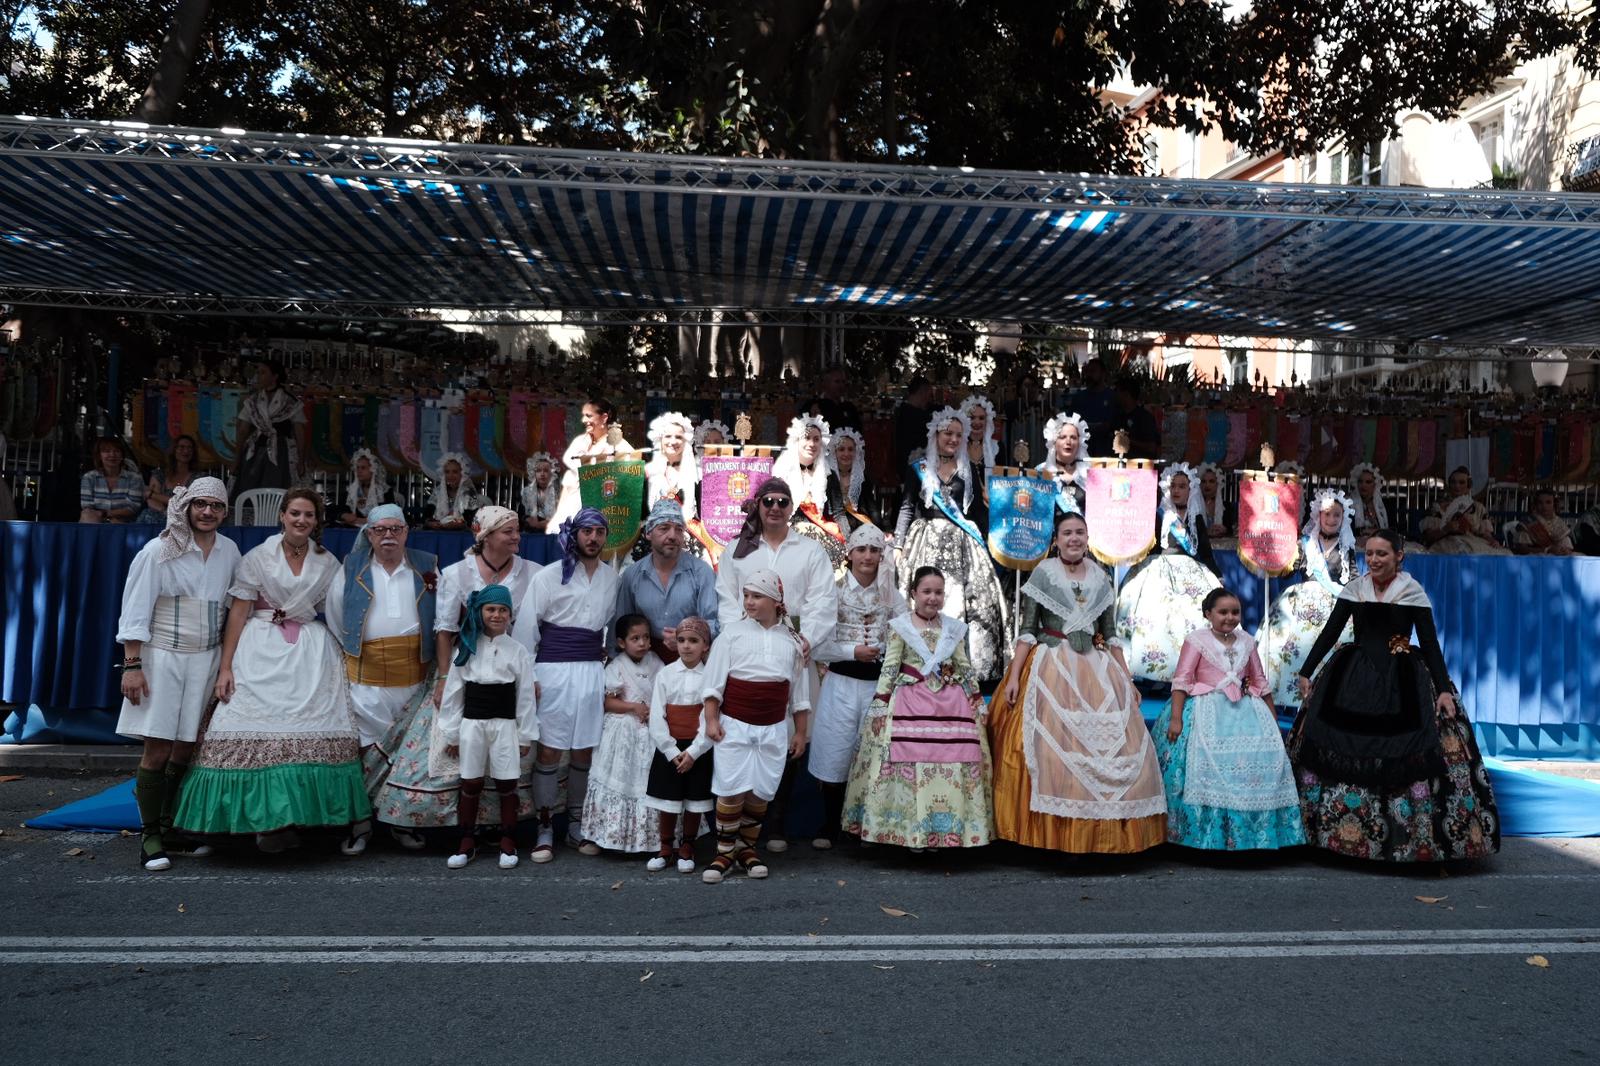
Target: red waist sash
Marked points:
756	702
683	720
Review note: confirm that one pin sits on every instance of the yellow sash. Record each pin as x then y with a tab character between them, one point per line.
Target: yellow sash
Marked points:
391	662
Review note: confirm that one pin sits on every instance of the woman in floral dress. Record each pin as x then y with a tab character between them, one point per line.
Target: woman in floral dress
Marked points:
1384	756
1327	561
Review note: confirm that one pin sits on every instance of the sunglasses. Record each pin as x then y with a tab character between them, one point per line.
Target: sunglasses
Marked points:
775	501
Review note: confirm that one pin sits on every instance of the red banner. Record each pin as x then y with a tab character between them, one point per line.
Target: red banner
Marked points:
1120	508
1269	525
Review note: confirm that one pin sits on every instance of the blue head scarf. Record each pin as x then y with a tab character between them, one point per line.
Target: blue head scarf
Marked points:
361	550
588	518
472	626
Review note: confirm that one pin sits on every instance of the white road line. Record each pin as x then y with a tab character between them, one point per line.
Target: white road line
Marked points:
806	941
317	878
891	955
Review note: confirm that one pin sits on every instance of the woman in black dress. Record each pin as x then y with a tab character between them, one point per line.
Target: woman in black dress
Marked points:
1384	757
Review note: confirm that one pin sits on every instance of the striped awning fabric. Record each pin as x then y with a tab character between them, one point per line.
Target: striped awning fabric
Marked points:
213	221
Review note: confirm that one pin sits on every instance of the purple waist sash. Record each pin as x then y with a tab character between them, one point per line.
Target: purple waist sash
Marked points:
569	644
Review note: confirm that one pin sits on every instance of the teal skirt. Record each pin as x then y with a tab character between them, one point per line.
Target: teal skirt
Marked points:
1214	827
266	799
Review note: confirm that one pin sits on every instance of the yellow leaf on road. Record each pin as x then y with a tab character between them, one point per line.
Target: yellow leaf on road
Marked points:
1430	899
895	912
1538	960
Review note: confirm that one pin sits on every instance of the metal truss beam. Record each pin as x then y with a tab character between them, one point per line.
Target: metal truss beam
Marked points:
390	159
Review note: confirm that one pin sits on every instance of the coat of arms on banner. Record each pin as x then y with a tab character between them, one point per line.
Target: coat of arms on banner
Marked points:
1120	508
726	482
1021	517
615	488
1269	523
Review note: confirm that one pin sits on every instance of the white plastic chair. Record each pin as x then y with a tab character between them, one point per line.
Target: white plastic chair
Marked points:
264	505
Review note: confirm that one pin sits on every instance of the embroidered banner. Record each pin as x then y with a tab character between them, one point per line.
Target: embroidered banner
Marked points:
1120	507
726	481
1021	511
1269	525
615	488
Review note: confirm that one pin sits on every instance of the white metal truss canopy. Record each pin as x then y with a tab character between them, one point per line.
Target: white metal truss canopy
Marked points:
121	215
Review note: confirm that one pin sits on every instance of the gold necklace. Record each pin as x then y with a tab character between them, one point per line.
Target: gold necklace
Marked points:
295	553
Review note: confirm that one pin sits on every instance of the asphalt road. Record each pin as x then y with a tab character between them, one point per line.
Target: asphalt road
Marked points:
1002	955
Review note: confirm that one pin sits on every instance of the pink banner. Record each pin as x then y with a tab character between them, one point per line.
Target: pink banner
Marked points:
1120	508
1269	525
726	481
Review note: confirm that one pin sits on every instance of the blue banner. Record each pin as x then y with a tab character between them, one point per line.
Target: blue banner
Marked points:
1022	507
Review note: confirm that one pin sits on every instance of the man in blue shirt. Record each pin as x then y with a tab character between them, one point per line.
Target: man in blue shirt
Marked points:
667	585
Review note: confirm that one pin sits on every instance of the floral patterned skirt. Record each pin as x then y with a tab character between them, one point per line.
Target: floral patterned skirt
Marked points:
1432	820
615	814
1285	638
404	794
1158	607
916	804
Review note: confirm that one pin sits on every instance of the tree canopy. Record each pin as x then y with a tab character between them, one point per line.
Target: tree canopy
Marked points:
1005	83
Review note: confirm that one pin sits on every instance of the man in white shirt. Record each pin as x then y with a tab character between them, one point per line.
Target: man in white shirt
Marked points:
381	611
562	621
810	600
173	609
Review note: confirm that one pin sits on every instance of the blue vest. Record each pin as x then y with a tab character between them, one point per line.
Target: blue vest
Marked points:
358	601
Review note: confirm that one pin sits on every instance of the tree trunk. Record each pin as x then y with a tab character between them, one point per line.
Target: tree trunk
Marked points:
160	99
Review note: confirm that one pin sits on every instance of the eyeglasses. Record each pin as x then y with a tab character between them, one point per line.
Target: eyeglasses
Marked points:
387	530
209	505
777	502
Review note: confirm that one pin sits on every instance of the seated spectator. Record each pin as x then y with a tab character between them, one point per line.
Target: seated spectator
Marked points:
1458	524
111	492
1543	532
175	473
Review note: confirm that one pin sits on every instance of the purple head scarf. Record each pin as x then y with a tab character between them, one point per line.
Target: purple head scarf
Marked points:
588	518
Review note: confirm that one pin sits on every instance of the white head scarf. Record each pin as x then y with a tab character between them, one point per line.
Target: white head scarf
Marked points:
1357	510
852	491
1080	463
930	456
991	447
178	536
868	535
707	426
1214	516
378	489
812	486
1325	499
687	470
464	494
1195	508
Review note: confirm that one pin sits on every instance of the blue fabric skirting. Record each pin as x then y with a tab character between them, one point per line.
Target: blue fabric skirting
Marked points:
1518	633
61	593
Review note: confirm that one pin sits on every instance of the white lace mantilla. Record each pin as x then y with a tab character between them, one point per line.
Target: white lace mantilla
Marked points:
1052	588
951	633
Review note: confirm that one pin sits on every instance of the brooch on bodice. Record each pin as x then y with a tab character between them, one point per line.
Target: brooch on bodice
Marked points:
1399	645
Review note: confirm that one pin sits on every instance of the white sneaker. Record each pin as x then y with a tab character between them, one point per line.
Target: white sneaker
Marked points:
508	860
544	849
656	864
777	845
819	843
355	845
460	859
686	866
157	863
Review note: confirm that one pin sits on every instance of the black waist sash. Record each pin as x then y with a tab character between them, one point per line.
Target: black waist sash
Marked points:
480	701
